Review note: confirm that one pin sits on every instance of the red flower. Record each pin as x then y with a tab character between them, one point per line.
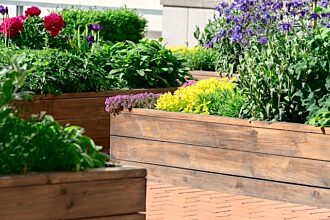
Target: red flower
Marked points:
33	11
11	27
54	24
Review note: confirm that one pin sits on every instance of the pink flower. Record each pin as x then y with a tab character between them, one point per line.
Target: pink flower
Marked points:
32	11
54	24
12	27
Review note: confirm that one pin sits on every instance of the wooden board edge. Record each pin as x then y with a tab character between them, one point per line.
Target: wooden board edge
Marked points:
229	121
271	190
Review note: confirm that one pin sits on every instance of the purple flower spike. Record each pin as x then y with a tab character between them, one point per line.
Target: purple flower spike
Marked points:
95	27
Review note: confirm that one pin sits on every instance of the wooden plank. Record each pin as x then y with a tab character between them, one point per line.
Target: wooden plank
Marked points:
73	201
238	185
113	173
68	108
200	74
120	217
224	161
96	127
230	121
221	135
104	142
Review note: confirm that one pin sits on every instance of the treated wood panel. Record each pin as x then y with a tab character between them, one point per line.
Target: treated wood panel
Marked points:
96	127
121	217
68	108
222	135
230	121
225	161
73	201
199	74
104	142
238	185
100	174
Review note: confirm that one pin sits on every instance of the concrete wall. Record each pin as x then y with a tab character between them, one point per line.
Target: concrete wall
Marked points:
180	18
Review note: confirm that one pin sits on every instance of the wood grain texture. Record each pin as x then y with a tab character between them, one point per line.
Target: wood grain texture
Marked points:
224	133
98	127
223	161
100	174
121	217
237	185
280	161
82	109
200	74
74	200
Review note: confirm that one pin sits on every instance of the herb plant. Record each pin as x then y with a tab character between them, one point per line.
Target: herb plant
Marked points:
116	104
147	64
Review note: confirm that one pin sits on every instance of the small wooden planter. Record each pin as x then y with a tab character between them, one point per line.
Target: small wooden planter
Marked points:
100	194
279	161
82	109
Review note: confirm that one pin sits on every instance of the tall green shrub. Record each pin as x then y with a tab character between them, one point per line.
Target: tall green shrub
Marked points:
118	25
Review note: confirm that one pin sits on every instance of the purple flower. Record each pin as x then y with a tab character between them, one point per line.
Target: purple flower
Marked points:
324	3
314	16
116	104
95	27
285	27
263	40
90	39
221	6
208	45
326	15
3	10
277	6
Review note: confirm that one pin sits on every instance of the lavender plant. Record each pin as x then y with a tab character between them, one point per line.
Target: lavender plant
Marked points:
116	104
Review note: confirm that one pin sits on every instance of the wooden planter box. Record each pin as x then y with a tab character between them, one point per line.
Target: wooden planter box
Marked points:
83	109
100	194
200	74
279	161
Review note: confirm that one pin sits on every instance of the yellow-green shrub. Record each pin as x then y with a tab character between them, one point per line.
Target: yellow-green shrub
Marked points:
192	98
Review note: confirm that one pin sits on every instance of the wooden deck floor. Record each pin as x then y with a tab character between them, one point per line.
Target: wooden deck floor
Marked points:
168	202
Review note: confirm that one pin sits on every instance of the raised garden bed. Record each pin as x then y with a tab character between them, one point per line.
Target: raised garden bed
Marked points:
107	193
82	109
279	161
200	74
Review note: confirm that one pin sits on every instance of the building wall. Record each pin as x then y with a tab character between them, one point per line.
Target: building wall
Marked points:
180	18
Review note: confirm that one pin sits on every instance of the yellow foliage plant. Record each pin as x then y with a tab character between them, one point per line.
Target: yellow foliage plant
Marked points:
187	99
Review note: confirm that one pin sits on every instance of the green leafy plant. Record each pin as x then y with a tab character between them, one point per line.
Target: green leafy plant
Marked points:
40	143
198	58
147	64
118	25
57	71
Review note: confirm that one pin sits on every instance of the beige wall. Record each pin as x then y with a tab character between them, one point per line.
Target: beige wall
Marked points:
180	18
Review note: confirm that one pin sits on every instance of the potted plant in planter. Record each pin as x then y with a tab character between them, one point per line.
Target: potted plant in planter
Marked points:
38	160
